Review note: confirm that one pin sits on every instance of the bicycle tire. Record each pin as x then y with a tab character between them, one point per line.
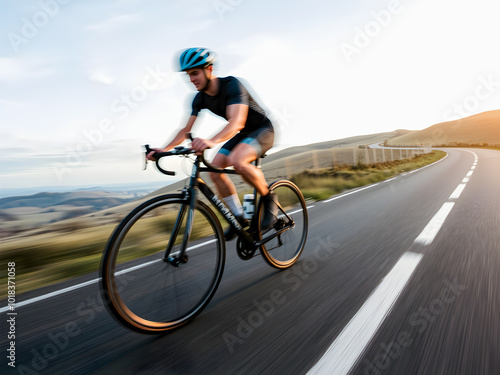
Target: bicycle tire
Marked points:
139	288
283	251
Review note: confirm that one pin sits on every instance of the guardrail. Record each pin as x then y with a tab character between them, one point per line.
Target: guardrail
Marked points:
332	157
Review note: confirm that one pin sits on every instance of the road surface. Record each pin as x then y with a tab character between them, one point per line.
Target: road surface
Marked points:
400	277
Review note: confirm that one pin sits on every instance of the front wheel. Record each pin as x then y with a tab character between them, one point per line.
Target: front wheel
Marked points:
143	289
285	249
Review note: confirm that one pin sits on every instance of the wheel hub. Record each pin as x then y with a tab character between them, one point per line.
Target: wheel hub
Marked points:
177	261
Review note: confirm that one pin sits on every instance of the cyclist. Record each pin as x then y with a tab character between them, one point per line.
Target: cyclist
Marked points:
247	136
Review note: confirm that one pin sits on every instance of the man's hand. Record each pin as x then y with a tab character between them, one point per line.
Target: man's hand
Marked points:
200	145
150	156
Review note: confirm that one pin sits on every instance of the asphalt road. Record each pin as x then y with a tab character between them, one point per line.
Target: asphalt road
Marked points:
401	277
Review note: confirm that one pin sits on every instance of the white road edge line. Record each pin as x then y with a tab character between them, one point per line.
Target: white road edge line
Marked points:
299	210
87	283
432	228
352	192
345	351
49	295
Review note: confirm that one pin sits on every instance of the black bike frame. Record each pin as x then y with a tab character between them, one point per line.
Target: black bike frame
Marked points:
196	184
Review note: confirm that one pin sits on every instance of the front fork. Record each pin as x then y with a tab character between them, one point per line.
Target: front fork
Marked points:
180	258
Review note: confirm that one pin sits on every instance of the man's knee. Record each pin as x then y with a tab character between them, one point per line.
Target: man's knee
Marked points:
240	166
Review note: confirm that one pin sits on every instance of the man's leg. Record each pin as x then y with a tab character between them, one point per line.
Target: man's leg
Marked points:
227	191
241	158
222	182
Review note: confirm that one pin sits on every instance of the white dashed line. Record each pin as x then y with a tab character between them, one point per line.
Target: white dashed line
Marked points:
345	351
457	192
433	227
347	348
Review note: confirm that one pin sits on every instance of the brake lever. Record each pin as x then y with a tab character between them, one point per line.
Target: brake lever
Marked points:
148	150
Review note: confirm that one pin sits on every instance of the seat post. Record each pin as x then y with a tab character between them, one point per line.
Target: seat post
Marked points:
257	161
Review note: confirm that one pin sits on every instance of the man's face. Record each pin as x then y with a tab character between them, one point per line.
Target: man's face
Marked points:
197	77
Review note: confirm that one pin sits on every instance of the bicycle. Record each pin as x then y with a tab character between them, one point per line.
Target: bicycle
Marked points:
163	263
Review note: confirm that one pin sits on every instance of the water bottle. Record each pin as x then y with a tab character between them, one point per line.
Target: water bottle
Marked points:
248	206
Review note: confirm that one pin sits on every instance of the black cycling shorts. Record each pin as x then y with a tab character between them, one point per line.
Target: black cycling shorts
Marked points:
261	140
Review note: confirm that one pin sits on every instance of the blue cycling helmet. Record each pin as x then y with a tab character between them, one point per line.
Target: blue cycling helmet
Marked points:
196	58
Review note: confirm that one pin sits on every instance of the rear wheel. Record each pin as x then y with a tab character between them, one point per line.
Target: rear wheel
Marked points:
284	250
147	293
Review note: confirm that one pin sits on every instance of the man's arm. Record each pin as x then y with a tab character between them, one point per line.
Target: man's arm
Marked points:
179	138
237	117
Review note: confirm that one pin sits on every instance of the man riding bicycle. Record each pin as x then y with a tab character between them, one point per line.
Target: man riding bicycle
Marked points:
247	136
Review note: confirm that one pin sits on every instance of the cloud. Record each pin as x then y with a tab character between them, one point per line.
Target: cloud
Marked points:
19	70
14	105
101	77
10	69
114	22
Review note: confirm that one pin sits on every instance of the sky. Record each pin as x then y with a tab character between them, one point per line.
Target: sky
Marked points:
84	84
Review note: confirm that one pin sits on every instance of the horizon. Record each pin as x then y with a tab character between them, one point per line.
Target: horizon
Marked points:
83	85
140	185
21	191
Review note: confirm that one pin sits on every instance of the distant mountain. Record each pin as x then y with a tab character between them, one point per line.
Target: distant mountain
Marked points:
137	188
94	200
480	129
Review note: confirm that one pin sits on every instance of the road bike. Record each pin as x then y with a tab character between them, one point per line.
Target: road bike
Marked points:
163	263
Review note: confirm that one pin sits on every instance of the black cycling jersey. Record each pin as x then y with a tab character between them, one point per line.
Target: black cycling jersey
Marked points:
231	91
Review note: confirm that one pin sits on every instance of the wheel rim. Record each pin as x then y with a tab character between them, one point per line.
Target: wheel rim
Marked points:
148	293
285	250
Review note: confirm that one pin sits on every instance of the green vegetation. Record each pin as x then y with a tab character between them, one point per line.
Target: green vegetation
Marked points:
322	184
71	249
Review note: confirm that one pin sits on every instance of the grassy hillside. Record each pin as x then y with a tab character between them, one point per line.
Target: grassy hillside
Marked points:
24	213
480	129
